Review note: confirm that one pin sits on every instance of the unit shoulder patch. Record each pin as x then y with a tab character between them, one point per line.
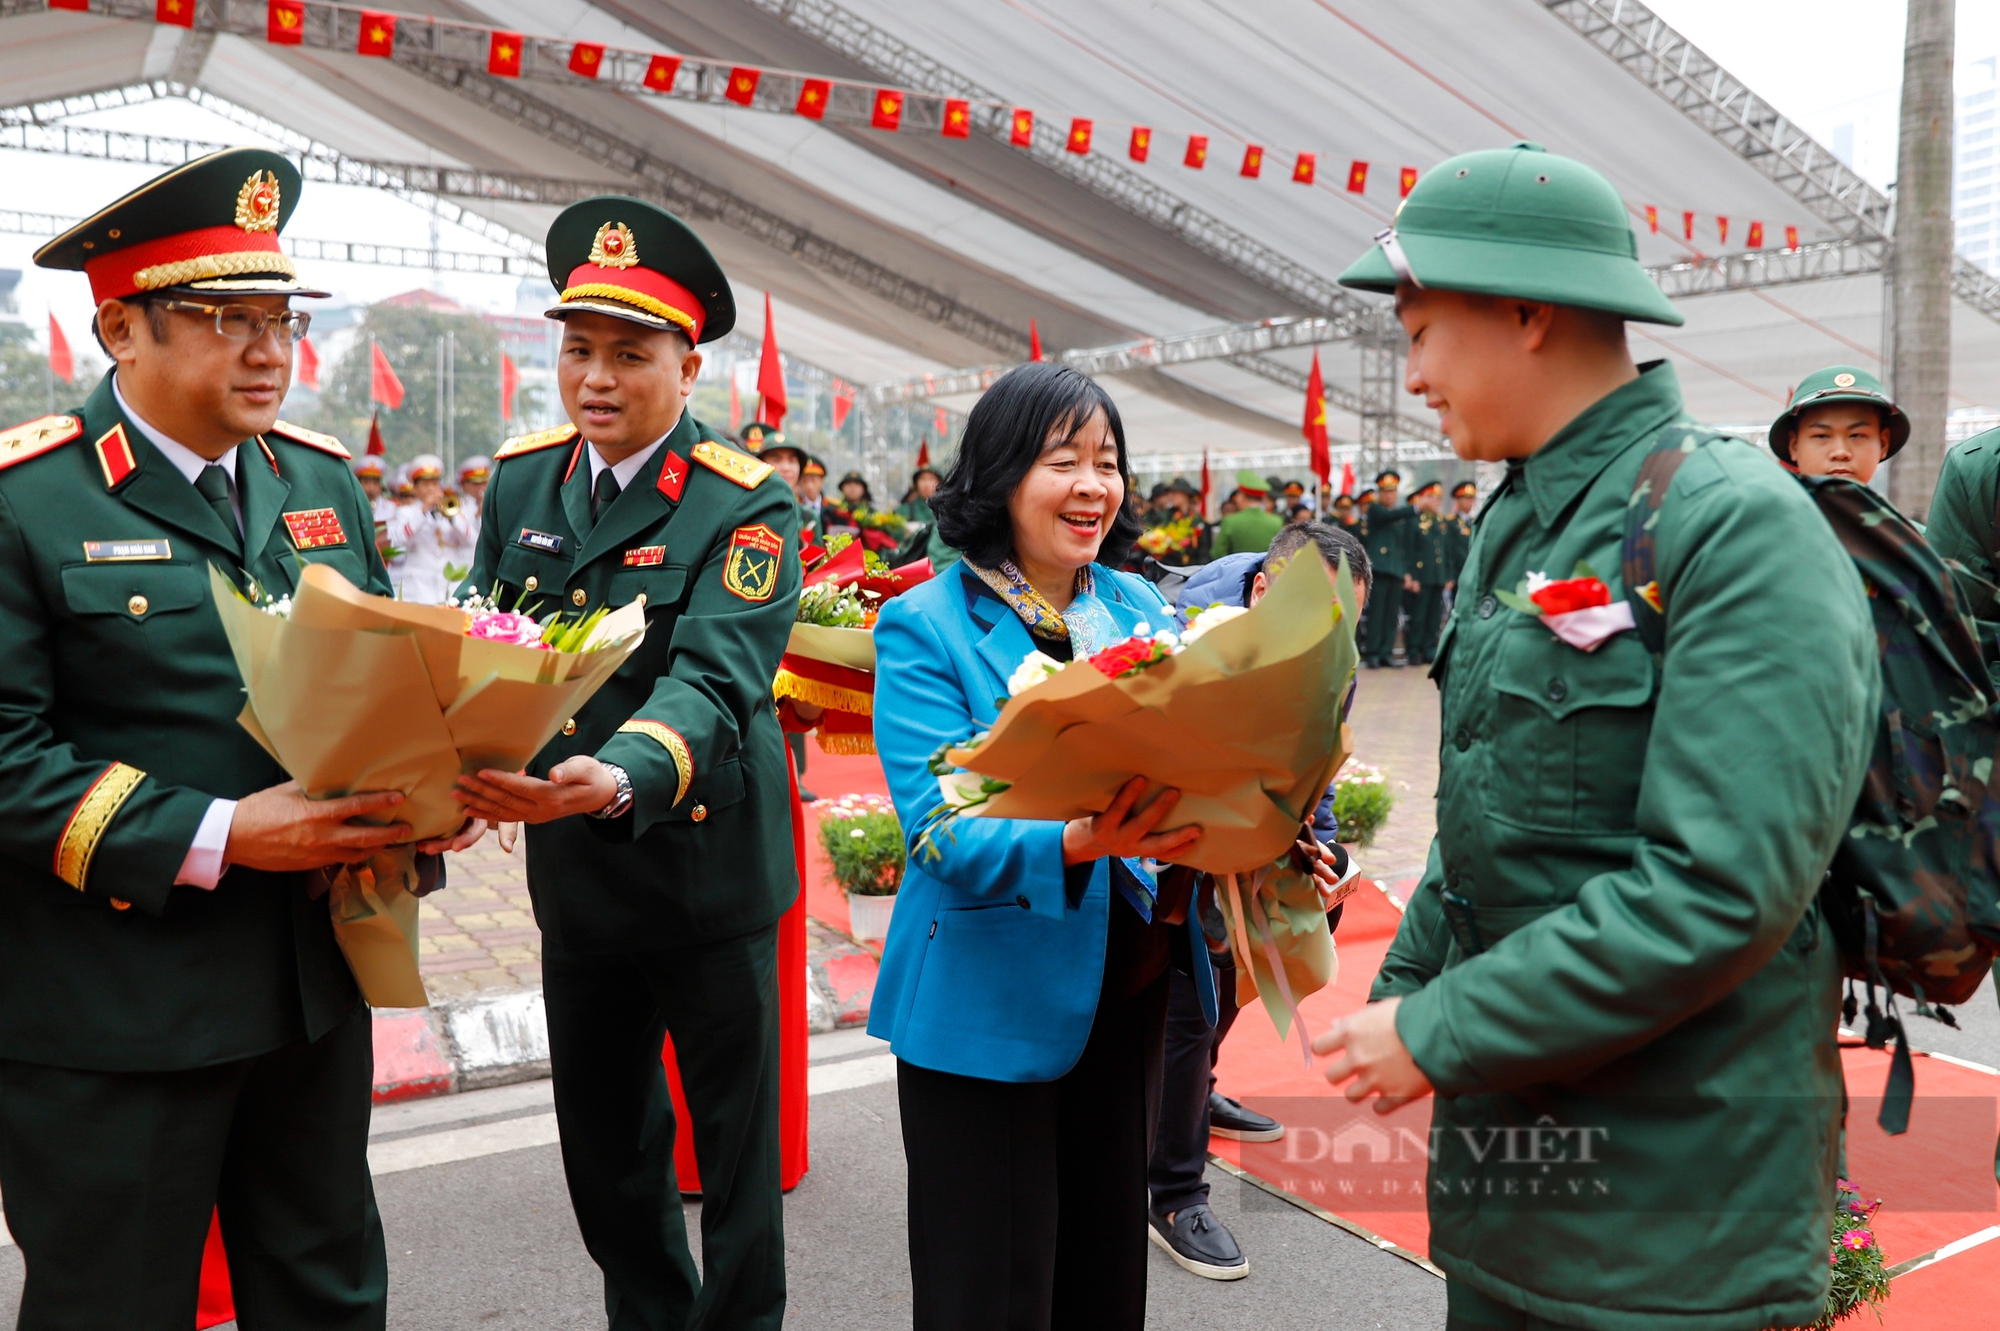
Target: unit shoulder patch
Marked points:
37	437
751	570
741	468
299	434
529	443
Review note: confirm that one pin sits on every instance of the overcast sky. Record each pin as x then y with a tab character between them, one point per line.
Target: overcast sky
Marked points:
1809	58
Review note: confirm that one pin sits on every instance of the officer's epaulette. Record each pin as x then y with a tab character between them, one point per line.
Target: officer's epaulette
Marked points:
37	437
299	434
745	470
528	443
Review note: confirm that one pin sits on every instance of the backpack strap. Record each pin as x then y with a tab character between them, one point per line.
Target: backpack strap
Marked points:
1675	445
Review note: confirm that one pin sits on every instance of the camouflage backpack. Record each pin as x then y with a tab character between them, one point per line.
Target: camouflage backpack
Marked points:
1913	895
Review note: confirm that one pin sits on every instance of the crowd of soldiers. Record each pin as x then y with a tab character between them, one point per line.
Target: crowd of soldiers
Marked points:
1415	548
425	529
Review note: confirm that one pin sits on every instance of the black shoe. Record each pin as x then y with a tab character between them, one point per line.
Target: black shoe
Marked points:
1228	1118
1200	1243
806	796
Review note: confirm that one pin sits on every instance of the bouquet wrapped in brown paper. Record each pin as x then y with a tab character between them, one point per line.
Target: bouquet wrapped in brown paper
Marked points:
352	692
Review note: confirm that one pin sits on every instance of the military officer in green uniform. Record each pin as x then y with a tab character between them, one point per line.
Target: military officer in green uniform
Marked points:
660	837
178	1031
1391	538
1614	956
1458	539
1430	541
1249	529
1965	517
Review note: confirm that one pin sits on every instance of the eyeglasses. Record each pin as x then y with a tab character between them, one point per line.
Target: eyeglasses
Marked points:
246	323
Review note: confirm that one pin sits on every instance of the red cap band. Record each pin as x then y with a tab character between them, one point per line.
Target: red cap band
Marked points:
648	290
191	256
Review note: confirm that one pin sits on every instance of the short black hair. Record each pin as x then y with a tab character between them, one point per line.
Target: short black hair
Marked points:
1334	542
1028	410
156	319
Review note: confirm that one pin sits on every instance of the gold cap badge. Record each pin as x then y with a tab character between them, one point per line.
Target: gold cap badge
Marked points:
613	246
257	203
1843	381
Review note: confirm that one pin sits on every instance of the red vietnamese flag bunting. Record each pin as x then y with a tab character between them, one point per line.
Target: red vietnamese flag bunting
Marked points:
1142	142
510	384
660	73
1722	229
61	364
957	122
1756	237
1253	161
1653	219
74	6
1357	177
1023	132
378	34
376	448
888	112
503	55
1197	152
1304	169
771	405
180	13
586	59
1687	226
742	88
383	385
1791	237
285	23
1079	137
1407	180
1034	341
813	97
306	375
843	401
1314	427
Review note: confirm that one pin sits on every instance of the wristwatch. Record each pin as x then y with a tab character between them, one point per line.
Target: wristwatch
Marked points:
620	802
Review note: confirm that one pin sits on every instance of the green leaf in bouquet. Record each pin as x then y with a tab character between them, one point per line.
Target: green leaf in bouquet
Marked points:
1517	600
1584	570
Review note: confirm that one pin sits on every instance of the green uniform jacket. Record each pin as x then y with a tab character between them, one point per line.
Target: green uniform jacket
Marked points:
1246	531
1965	523
1391	537
118	728
1457	541
1640	844
1433	565
710	537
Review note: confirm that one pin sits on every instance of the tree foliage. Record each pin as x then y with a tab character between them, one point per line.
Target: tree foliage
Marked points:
24	376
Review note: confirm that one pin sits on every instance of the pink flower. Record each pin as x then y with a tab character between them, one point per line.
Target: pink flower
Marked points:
506	626
1855	1240
1845	1186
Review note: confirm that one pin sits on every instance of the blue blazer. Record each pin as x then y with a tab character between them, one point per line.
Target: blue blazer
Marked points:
988	970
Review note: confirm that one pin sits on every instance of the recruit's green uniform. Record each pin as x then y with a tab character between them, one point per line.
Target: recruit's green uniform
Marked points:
163	1048
1614	959
1431	538
1390	531
1965	514
1246	531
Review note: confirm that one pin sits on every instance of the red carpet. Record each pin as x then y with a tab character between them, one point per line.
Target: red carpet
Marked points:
830	776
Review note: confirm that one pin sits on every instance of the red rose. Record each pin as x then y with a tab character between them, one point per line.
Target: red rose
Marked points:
1121	658
1559	598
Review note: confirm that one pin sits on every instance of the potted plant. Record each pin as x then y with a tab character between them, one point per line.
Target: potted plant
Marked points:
1361	802
863	841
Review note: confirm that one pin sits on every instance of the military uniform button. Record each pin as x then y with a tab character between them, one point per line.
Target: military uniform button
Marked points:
119	903
532	583
1487	605
569	726
578	597
698	812
1462	740
640	599
1022	902
138	605
1558	690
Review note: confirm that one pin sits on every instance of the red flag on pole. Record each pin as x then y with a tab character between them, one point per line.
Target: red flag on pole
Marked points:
510	383
1347	478
924	450
61	364
888	112
376	448
586	59
1314	427
843	401
1034	341
770	375
503	55
735	405
943	424
813	95
285	23
306	373
383	385
1204	484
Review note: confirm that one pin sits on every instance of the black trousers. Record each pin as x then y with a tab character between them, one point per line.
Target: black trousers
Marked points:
1385	612
110	1178
1028	1199
1177	1175
608	1016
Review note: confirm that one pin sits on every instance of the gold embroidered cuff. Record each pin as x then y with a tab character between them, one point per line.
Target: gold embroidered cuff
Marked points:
87	822
669	739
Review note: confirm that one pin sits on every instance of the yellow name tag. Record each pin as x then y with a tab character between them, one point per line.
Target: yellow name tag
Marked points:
126	552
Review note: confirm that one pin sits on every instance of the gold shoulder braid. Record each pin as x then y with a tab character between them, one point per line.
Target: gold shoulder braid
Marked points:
746	471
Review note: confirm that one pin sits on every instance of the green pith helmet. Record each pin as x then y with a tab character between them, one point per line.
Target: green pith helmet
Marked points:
635	260
1518	222
1838	383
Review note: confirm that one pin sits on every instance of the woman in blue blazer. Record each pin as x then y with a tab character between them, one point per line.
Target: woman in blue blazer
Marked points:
1024	980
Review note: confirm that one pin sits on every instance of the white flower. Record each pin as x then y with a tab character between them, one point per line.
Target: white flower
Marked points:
1537	581
1141	629
1034	668
857	834
1169	639
1208	619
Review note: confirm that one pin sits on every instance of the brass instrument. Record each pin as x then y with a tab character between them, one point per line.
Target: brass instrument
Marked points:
449	506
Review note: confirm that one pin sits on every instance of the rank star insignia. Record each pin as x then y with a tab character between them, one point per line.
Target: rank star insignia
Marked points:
257	203
614	247
751	571
1843	381
314	528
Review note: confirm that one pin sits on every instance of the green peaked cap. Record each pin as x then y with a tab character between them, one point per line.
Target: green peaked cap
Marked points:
1518	222
635	260
1838	383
